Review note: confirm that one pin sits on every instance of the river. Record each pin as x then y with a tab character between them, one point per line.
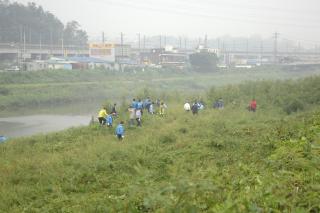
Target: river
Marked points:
13	127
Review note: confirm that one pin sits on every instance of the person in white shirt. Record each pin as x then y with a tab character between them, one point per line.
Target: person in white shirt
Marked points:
138	117
187	107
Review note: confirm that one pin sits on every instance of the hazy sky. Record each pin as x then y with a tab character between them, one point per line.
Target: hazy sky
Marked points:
293	19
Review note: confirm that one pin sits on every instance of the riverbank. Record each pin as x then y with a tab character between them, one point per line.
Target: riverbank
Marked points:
227	160
21	91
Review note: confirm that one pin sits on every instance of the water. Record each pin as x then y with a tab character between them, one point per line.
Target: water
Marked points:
36	124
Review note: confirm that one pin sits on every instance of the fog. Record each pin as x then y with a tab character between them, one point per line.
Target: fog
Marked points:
294	19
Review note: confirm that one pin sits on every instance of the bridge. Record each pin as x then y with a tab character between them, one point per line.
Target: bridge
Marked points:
34	50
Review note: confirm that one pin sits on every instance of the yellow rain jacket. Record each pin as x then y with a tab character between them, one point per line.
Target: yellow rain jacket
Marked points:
103	113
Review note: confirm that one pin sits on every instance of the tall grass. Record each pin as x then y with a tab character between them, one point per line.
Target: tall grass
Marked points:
56	88
227	160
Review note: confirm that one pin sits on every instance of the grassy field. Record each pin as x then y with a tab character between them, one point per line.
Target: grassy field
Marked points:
227	160
37	90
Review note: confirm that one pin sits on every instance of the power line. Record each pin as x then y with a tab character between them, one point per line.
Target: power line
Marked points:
248	6
203	15
301	39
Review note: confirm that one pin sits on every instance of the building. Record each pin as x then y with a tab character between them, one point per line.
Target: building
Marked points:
177	60
36	65
122	50
103	51
165	57
201	48
59	64
89	63
151	57
77	63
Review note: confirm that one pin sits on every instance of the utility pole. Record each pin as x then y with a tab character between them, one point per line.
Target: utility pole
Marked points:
261	52
40	46
24	48
19	47
275	53
40	41
139	42
224	53
62	45
30	36
222	47
247	49
51	41
233	45
121	38
121	45
206	41
21	34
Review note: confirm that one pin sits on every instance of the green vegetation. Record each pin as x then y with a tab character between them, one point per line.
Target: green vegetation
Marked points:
204	62
44	89
227	160
38	25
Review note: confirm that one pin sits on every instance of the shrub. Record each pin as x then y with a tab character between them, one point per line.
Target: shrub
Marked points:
167	139
4	91
293	106
204	62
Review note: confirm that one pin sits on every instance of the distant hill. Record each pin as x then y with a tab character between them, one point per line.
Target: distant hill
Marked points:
36	25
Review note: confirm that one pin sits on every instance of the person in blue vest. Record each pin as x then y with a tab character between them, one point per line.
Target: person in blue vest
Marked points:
134	104
140	106
120	131
2	139
109	120
147	104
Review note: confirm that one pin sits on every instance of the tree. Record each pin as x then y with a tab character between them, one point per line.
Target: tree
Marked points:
74	35
204	61
38	25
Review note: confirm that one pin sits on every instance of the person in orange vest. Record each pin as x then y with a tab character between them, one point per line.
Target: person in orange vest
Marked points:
253	105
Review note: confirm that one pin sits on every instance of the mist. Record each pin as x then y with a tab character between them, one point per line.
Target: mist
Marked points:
295	19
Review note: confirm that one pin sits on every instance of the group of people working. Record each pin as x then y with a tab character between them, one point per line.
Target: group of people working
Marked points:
138	107
194	108
107	119
136	110
218	104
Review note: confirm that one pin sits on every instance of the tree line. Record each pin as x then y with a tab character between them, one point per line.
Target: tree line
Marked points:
33	24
